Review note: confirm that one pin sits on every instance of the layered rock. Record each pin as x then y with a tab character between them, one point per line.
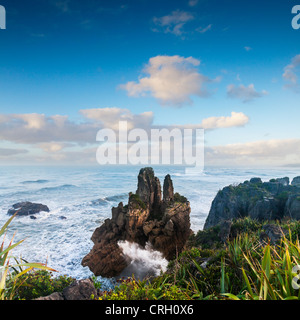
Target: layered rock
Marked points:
296	181
258	200
292	207
148	218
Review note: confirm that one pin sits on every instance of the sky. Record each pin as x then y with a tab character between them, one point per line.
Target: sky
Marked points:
69	68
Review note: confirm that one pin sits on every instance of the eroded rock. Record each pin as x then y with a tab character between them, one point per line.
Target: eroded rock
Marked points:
263	201
164	223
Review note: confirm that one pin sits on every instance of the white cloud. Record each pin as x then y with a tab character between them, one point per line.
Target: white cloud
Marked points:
290	73
237	119
171	79
51	132
46	139
174	22
266	152
53	147
248	48
205	29
33	120
109	117
38	128
244	93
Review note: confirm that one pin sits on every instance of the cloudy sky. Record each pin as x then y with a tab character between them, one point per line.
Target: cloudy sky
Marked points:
69	68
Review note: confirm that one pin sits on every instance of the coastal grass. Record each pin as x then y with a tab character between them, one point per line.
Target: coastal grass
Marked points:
268	274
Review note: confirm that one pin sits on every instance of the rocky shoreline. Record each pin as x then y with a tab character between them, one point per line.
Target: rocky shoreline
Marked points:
161	218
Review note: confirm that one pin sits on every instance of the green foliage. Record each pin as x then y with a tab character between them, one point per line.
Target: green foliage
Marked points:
180	198
191	254
132	289
294	229
97	283
270	275
283	196
135	199
244	225
207	239
39	283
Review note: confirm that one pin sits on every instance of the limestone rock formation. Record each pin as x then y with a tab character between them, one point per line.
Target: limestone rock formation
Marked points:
259	200
292	207
296	181
148	218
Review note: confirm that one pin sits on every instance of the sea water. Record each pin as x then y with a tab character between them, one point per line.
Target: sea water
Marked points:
80	199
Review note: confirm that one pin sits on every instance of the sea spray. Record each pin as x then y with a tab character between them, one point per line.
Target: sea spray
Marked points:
144	261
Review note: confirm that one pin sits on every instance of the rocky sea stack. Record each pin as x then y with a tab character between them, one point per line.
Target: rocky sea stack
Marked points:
161	219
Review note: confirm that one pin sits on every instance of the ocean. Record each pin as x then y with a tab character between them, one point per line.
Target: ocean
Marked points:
80	199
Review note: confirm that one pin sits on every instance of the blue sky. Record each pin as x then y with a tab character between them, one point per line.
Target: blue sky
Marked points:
59	57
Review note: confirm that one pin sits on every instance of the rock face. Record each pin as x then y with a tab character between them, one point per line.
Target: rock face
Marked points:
163	222
292	207
272	233
27	208
78	290
259	200
296	181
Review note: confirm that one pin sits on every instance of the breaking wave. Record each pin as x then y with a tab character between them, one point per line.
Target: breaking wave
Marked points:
144	261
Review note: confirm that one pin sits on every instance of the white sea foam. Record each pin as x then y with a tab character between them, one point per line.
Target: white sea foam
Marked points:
144	261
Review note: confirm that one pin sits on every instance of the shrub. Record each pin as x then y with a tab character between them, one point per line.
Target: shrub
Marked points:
244	225
40	283
132	289
134	198
207	239
179	198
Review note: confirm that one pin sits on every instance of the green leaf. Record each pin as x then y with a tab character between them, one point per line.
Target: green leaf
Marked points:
291	298
230	296
10	248
3	229
247	283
